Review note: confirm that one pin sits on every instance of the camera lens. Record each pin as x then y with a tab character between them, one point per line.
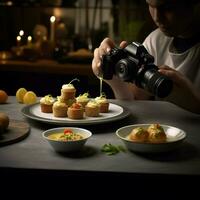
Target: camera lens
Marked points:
157	83
126	70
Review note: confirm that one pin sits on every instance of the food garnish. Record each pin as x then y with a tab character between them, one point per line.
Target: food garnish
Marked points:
101	98
69	135
76	106
68	131
103	95
48	99
83	96
75	79
70	85
111	149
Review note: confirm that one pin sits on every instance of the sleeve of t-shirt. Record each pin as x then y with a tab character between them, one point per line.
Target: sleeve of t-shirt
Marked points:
150	42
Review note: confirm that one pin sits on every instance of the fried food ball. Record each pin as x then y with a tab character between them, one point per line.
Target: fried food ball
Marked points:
156	134
139	134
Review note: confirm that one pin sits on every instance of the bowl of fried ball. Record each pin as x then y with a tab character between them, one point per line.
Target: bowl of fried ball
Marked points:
67	139
151	138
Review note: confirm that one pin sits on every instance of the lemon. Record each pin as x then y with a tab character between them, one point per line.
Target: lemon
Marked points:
20	94
30	97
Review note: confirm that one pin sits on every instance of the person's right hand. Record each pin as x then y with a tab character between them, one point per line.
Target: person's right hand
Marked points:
122	90
184	93
106	45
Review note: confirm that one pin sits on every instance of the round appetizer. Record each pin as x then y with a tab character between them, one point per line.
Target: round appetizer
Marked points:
103	102
69	102
156	133
4	122
92	109
68	91
46	104
83	99
75	111
60	108
138	134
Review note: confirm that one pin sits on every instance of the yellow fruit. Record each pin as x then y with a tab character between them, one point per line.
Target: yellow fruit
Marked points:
30	98
3	96
20	94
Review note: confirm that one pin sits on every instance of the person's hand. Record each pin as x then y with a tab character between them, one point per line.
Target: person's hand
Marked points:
184	93
120	88
106	45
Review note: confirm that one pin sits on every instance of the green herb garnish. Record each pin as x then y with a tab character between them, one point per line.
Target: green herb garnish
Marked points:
75	79
110	149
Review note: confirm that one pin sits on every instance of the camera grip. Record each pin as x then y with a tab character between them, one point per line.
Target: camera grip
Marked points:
107	67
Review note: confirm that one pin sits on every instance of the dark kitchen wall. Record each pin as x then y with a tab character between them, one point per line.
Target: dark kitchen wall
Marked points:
118	19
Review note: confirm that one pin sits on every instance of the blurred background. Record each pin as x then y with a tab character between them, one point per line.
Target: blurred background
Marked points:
63	34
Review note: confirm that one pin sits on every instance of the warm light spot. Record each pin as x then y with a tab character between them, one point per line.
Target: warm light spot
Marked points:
52	19
29	38
21	32
19	38
4	56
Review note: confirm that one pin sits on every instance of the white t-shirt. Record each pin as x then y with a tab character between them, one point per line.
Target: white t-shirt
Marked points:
188	62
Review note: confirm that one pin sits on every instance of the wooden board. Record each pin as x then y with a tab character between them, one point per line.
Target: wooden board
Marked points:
17	130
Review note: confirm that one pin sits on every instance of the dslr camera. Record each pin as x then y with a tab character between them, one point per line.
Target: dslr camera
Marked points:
135	64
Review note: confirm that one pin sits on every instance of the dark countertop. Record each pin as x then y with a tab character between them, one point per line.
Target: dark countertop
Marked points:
34	154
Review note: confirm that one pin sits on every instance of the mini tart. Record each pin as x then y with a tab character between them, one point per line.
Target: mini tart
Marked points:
104	104
68	91
138	134
92	109
156	134
75	111
69	102
46	104
60	109
83	99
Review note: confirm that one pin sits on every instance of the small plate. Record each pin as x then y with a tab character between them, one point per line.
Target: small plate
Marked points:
175	137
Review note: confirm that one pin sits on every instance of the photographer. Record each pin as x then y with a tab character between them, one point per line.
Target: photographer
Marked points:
175	45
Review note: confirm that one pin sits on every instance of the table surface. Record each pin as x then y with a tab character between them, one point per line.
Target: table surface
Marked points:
34	153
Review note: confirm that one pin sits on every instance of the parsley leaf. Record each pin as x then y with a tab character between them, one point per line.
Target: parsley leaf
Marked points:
110	149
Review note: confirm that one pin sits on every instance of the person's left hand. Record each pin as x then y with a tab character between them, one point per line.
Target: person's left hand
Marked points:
184	93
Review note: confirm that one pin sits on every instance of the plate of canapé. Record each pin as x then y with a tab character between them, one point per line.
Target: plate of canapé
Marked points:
75	114
151	138
70	109
116	112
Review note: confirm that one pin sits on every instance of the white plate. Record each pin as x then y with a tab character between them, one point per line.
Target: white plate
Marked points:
116	112
175	137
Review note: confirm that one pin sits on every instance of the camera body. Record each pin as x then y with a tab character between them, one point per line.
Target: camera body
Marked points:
135	64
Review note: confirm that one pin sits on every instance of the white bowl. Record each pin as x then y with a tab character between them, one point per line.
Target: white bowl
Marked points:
67	146
175	137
